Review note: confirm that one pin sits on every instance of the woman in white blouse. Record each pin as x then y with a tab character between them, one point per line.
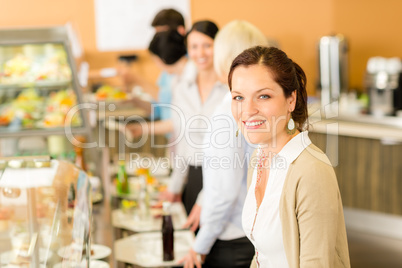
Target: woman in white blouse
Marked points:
196	92
293	210
194	98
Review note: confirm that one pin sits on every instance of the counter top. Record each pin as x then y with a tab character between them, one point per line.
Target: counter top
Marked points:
388	129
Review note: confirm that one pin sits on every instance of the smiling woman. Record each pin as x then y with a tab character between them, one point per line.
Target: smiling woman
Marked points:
200	44
200	47
293	212
197	93
280	82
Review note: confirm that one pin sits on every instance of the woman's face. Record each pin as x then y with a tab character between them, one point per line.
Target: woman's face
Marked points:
259	104
200	49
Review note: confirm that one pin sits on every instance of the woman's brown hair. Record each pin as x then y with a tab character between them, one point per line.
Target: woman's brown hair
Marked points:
286	73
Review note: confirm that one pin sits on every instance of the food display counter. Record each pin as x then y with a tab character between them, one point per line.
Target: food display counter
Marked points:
46	211
41	102
38	84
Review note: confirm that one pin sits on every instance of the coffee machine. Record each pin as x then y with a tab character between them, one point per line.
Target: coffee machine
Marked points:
333	68
383	81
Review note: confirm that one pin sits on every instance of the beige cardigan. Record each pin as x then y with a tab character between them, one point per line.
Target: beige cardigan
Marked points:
311	213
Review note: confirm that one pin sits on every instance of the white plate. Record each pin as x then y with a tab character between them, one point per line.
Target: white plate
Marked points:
9	256
145	249
100	252
94	264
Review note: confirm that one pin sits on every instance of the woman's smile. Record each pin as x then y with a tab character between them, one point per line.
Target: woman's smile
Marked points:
253	124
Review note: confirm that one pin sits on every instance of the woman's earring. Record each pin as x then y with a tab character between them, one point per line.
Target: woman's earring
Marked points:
237	133
290	127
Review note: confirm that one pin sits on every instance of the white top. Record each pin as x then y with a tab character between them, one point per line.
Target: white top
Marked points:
224	173
267	233
191	120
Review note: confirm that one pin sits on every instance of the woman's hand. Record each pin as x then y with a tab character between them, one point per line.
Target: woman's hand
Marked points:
191	259
137	130
168	196
193	220
138	103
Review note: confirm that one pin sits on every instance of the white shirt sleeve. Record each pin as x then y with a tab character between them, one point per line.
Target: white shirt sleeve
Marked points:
222	189
199	198
179	174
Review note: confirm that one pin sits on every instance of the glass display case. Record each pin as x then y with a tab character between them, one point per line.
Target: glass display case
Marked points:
39	90
45	214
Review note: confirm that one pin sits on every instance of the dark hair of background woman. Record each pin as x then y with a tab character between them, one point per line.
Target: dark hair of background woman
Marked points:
168	17
206	27
286	73
168	46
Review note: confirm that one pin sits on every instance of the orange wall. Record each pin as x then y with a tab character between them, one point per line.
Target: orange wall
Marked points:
292	23
372	27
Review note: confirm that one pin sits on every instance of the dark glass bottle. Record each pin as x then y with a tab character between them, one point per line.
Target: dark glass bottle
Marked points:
167	233
122	179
